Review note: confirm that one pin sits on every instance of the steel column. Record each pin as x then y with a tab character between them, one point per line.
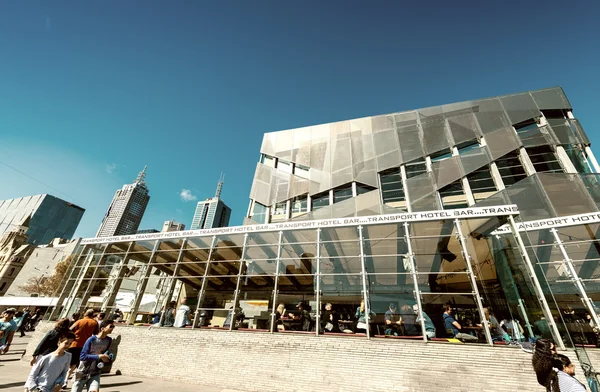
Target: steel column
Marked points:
202	290
276	286
364	281
413	272
140	288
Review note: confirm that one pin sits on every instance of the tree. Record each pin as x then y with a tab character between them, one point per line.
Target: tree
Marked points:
47	286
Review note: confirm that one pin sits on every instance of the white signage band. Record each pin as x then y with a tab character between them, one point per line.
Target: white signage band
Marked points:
462	213
571	220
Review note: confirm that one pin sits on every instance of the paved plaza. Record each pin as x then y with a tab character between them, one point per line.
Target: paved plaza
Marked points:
13	373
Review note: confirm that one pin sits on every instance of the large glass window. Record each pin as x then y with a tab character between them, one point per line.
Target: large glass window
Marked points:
510	168
544	159
267	160
284	166
259	213
299	205
342	193
415	168
392	190
453	196
481	183
278	212
320	201
301	171
441	155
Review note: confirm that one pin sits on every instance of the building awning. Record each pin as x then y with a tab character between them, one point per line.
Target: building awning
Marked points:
28	301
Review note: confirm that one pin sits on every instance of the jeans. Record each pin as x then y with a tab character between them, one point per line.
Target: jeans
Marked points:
92	383
466	337
430	334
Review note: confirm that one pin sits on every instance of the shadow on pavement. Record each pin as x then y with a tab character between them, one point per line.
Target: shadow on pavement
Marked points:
12	384
119	384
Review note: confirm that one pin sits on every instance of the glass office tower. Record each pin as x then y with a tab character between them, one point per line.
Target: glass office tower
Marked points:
51	217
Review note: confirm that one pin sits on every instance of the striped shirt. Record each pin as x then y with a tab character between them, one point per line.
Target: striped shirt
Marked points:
567	383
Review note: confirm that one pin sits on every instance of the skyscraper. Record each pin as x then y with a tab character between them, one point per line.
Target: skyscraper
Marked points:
212	212
51	217
126	209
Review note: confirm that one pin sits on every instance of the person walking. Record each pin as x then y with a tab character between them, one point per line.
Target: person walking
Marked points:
83	329
24	321
49	342
50	372
93	357
7	329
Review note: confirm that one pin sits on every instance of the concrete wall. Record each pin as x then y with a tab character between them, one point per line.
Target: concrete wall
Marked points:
253	361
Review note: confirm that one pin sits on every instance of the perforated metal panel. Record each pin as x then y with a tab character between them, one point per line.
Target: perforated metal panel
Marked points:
552	98
284	144
563	132
520	107
420	186
446	171
381	123
386	149
299	186
537	137
502	141
567	193
319	181
268	144
302	143
410	143
490	115
475	159
363	161
435	137
463	128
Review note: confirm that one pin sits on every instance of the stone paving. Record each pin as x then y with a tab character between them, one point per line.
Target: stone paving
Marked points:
14	371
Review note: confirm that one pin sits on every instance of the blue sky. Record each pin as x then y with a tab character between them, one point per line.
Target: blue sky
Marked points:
91	92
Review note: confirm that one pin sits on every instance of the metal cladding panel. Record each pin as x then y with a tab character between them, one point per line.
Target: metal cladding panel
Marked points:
577	128
298	186
279	187
463	128
367	174
367	202
563	132
446	171
410	143
284	145
567	193
386	149
475	159
260	192
491	116
268	143
420	186
381	123
343	209
520	107
263	173
591	182
319	154
427	203
341	177
501	142
341	151
453	109
528	195
538	137
434	135
552	98
405	119
302	143
319	181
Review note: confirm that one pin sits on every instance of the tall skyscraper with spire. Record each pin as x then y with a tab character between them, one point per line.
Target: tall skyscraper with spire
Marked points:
126	209
212	212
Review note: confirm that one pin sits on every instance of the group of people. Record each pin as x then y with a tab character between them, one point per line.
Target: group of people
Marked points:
76	347
174	317
554	371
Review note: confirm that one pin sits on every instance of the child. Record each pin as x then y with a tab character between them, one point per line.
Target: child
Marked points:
93	352
50	372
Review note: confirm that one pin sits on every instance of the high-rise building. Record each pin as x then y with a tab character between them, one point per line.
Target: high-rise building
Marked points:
51	217
172	226
126	209
211	212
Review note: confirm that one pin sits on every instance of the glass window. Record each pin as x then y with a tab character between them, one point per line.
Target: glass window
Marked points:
259	213
510	168
392	189
578	159
342	194
481	183
284	166
415	168
267	160
301	171
360	189
467	146
544	159
299	205
440	156
278	212
320	201
453	196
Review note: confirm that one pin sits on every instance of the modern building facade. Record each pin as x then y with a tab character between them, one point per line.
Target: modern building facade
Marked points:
51	217
127	208
172	226
211	212
491	203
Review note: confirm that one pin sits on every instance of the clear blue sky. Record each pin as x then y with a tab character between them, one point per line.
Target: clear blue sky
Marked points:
91	91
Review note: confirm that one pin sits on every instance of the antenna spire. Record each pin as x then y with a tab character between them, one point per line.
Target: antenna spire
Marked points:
141	178
220	185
